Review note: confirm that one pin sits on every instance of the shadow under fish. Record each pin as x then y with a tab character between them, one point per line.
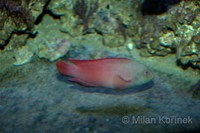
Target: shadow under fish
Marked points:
120	109
195	90
104	90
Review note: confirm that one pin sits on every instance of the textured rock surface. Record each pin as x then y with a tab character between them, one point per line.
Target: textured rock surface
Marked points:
36	98
119	23
173	32
18	17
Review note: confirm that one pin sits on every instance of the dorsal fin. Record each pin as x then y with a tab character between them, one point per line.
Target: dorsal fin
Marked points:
78	62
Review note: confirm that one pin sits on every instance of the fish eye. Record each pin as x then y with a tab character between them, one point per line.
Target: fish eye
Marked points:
146	73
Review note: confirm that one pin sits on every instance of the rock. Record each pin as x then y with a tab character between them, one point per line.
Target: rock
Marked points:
164	35
167	39
54	49
23	55
18	17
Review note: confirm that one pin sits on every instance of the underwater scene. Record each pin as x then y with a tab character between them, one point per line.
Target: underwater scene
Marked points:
99	66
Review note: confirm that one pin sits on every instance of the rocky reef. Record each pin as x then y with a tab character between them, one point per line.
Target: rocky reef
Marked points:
35	28
18	18
164	36
176	31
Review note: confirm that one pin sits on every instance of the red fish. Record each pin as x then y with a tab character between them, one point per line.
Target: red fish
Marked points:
116	73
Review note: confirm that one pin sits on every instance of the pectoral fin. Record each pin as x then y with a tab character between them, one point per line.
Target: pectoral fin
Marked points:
77	80
119	82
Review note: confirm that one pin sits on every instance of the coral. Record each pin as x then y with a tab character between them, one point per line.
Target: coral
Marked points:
110	40
110	25
173	29
85	12
18	17
197	2
167	39
54	49
174	32
50	43
18	11
64	10
23	55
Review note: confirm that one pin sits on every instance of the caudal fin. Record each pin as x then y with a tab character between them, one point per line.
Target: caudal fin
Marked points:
66	68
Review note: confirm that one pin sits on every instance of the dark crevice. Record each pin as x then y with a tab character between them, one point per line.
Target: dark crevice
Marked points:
156	7
5	43
30	35
2	47
39	18
49	12
186	66
46	11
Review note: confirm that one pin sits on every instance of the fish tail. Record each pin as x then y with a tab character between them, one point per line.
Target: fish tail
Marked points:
66	68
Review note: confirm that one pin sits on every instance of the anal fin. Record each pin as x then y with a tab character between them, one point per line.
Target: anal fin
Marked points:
77	80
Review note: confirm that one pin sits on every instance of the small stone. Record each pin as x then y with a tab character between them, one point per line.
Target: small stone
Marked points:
23	56
130	46
167	39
